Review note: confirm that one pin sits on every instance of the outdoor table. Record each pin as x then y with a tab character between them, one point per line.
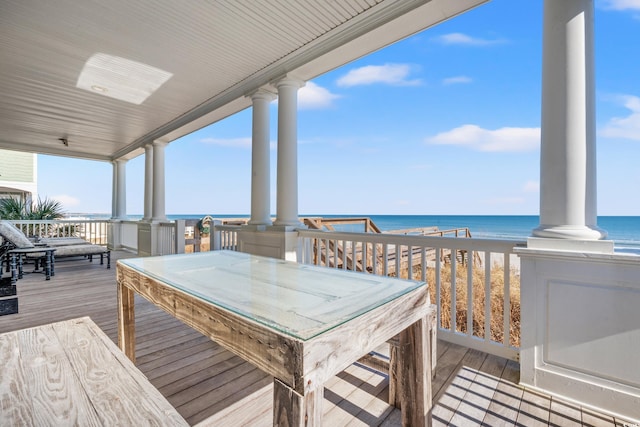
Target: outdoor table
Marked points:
301	324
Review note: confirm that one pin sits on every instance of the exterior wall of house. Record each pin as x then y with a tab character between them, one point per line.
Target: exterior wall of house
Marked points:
580	329
18	175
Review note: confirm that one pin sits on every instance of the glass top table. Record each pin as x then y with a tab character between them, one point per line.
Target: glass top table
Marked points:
301	324
296	299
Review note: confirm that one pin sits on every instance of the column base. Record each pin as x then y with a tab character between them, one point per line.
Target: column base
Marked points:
573	245
572	232
255	227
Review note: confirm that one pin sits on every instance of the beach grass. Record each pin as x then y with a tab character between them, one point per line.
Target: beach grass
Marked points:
497	301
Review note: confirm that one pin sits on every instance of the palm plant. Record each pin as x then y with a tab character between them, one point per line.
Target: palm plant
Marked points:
42	210
12	209
46	209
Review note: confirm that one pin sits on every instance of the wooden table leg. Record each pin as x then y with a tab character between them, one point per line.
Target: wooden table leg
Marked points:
415	374
394	372
126	322
293	409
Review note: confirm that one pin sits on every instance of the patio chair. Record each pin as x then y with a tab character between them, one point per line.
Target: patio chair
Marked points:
25	249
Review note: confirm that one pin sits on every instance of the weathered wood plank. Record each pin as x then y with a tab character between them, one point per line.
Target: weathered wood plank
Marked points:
594	419
415	374
352	390
478	397
452	395
15	403
116	389
55	391
71	373
564	414
534	409
505	403
126	322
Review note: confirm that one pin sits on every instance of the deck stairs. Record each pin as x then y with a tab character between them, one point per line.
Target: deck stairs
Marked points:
359	257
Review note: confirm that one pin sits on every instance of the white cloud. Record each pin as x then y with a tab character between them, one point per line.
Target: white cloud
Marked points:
66	200
313	96
620	4
503	139
625	127
456	80
391	74
531	187
228	142
463	39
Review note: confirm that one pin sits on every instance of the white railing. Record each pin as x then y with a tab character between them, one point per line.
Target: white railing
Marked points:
225	237
167	242
479	309
92	230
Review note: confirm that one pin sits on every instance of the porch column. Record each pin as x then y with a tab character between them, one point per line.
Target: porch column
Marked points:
158	186
287	173
260	160
148	182
568	155
119	196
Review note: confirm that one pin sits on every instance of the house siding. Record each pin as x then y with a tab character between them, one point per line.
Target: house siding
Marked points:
16	166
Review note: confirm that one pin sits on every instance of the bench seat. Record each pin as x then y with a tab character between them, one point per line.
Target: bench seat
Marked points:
71	373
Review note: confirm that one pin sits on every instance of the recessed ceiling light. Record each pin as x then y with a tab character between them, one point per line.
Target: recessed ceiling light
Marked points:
121	78
97	88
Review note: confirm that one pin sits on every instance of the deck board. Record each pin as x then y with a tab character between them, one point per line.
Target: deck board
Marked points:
211	387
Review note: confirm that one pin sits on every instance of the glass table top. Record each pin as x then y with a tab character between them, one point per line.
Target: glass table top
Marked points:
297	299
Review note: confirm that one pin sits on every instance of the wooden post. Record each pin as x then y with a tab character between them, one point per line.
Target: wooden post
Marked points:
126	322
293	409
415	374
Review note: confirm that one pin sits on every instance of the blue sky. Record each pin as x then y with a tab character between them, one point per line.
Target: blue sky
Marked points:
444	122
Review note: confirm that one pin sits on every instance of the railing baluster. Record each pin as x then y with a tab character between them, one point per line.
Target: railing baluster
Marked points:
364	256
438	286
344	255
385	257
487	295
469	292
374	258
507	300
410	262
454	261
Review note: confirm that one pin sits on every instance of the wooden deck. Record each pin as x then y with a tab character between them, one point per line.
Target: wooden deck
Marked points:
211	386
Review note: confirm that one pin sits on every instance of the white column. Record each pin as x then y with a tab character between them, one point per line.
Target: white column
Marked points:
119	194
148	182
158	205
287	173
260	160
568	163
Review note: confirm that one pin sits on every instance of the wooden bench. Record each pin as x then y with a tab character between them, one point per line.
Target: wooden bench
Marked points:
71	373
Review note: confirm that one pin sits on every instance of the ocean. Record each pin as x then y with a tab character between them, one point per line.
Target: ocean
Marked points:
623	230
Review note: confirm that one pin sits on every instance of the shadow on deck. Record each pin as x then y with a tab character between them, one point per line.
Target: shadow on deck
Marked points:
211	386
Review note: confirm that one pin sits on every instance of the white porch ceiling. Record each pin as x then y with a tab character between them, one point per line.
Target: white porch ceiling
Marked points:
216	51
